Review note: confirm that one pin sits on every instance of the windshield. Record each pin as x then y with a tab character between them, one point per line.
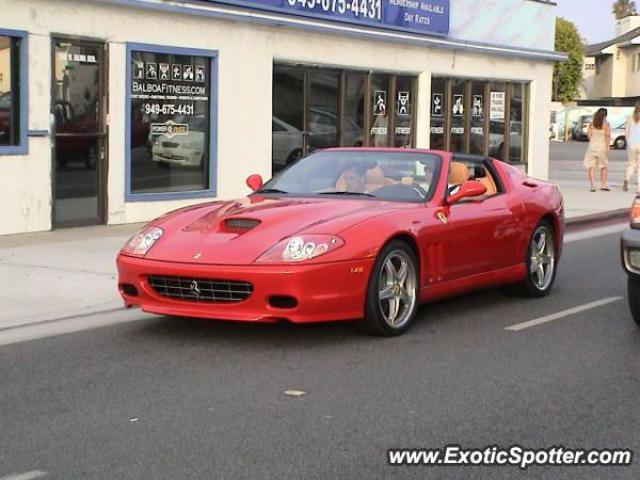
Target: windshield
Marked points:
397	176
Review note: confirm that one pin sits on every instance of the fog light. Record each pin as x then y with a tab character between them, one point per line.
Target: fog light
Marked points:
634	259
129	290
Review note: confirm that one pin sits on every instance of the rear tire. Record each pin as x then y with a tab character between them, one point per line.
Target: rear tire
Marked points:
541	263
633	294
392	295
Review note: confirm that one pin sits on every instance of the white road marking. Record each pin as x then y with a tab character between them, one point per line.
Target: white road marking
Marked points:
25	476
35	331
595	232
564	313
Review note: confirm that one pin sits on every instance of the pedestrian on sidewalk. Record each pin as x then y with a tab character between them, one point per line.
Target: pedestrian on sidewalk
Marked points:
597	155
632	136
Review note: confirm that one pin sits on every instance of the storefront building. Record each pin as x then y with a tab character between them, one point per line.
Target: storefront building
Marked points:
116	111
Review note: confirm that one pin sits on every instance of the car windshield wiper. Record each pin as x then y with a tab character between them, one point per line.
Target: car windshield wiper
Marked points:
355	194
271	190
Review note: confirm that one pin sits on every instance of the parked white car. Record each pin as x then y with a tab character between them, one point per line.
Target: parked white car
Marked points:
618	137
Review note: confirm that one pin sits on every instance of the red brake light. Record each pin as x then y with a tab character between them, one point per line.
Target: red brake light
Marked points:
635	213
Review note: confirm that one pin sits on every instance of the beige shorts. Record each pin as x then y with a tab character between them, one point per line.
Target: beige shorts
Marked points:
595	158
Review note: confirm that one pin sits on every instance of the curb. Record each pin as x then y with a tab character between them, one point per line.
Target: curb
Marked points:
600	217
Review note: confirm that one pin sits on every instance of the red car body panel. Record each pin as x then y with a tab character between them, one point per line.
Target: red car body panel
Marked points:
480	243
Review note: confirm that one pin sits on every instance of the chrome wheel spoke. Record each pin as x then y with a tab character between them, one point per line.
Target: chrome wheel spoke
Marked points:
534	265
405	298
402	273
386	293
394	306
540	275
542	242
391	271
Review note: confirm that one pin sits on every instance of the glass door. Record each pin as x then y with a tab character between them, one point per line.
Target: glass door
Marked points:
79	133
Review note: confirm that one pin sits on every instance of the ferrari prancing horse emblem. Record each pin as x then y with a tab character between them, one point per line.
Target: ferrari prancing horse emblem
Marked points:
197	256
442	217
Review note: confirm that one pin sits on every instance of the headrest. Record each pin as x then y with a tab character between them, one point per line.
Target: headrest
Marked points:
458	173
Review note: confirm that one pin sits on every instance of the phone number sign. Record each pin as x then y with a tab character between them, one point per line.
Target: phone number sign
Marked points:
417	16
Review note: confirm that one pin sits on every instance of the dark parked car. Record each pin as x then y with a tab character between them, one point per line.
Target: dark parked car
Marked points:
581	128
630	253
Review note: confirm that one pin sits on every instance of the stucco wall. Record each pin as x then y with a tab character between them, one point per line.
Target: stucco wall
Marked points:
246	56
602	85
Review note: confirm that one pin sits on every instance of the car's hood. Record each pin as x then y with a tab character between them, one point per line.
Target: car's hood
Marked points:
211	234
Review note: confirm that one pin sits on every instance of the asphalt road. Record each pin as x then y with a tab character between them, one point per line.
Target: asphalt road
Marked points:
168	398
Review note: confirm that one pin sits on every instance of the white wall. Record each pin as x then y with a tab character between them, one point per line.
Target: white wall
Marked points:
246	56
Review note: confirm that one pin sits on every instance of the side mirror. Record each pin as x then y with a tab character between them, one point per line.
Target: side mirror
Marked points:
254	182
468	189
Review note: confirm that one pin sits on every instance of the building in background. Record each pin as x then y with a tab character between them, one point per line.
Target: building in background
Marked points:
615	77
116	112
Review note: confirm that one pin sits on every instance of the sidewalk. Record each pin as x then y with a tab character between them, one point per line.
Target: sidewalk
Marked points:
567	171
71	272
59	274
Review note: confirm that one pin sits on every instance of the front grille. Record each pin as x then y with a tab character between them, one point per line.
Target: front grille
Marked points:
170	145
203	290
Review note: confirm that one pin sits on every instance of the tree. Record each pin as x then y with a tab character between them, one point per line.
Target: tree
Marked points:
624	8
567	75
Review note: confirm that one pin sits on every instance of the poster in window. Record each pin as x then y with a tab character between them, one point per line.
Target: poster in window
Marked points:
170	119
458	106
497	106
437	104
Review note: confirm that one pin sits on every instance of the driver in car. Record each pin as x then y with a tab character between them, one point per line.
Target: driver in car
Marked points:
354	179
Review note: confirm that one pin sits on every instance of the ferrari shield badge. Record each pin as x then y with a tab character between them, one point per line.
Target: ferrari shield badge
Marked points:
442	217
197	256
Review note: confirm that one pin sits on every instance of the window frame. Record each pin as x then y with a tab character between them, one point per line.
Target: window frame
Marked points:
212	55
22	147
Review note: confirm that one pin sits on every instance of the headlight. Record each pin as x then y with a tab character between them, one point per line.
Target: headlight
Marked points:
141	242
192	145
634	259
300	248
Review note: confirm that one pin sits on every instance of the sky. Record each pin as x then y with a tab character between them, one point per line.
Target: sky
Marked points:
593	18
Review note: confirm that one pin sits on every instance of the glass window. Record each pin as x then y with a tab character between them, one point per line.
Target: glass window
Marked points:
438	109
9	91
403	136
396	176
354	110
380	111
288	114
477	134
323	109
170	122
516	119
457	114
497	112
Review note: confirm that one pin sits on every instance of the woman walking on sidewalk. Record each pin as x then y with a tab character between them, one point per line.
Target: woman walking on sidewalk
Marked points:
597	154
632	135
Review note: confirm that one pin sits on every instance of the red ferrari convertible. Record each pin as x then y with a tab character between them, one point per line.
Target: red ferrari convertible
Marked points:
347	234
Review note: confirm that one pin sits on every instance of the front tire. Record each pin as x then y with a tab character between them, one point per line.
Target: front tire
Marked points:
541	263
620	143
633	292
392	294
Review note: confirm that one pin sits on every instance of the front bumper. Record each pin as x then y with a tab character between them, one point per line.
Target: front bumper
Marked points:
629	243
324	292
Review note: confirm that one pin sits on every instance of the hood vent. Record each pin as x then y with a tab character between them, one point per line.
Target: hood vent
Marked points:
241	224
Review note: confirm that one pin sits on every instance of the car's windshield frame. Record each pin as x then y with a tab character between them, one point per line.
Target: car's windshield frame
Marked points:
272	183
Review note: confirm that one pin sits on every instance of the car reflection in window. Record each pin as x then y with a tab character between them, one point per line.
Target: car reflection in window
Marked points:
183	149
